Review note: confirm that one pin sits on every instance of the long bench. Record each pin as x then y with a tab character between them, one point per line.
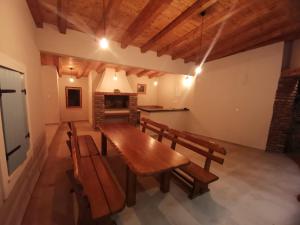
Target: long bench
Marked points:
155	127
101	189
195	175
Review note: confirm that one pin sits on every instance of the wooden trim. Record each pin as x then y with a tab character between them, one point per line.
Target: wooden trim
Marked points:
7	68
112	93
66	93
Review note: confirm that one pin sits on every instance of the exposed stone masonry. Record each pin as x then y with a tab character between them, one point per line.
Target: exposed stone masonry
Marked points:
282	114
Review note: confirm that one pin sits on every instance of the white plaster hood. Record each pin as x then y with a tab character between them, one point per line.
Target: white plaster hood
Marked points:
109	84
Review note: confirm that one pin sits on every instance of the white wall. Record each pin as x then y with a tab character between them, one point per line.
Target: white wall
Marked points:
73	114
150	98
232	99
295	59
50	94
84	45
18	50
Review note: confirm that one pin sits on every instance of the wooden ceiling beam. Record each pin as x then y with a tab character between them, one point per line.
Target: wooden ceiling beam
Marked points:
250	23
110	10
219	18
132	71
61	16
35	10
197	7
100	69
267	38
155	74
240	37
143	73
149	13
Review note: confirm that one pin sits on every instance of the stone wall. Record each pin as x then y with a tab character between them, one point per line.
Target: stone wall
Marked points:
282	114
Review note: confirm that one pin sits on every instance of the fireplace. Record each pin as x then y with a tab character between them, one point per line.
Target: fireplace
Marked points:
116	101
114	107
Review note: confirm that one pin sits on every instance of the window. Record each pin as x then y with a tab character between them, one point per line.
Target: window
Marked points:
14	117
73	97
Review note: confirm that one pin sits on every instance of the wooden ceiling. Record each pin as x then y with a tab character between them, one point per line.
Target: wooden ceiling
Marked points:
68	65
173	27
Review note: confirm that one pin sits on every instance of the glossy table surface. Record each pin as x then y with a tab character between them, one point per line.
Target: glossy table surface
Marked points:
143	154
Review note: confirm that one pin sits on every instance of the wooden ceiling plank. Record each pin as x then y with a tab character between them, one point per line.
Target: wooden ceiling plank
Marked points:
149	13
252	23
220	18
35	10
280	34
197	7
110	10
61	16
240	36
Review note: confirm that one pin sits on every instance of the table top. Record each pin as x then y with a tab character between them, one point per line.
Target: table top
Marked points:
143	154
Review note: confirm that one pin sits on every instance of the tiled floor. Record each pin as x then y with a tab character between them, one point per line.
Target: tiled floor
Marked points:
254	188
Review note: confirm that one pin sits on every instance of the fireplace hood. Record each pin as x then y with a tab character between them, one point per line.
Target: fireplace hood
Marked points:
112	80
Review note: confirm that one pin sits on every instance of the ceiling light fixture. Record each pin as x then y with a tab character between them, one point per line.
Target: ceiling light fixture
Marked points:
103	42
199	69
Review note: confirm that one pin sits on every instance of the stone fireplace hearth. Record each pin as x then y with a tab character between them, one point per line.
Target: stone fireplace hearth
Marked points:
109	107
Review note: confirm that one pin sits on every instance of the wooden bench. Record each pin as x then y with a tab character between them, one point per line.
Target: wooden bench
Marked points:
194	175
101	189
155	127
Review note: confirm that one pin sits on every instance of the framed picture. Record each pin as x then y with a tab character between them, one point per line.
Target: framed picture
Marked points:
141	88
73	97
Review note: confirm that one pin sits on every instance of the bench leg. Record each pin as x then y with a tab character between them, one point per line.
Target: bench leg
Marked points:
165	181
130	188
103	144
197	189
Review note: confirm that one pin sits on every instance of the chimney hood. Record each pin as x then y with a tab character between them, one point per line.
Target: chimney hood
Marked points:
112	80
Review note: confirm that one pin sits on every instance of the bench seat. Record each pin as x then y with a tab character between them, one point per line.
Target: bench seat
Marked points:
198	173
87	146
104	194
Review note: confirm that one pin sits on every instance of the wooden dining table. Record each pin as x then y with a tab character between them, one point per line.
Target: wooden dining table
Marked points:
143	155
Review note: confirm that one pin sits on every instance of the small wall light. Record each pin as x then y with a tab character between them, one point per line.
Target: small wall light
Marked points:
115	77
155	83
71	79
187	81
198	70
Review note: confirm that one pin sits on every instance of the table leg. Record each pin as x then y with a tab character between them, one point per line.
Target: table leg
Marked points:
103	144
130	188
165	181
